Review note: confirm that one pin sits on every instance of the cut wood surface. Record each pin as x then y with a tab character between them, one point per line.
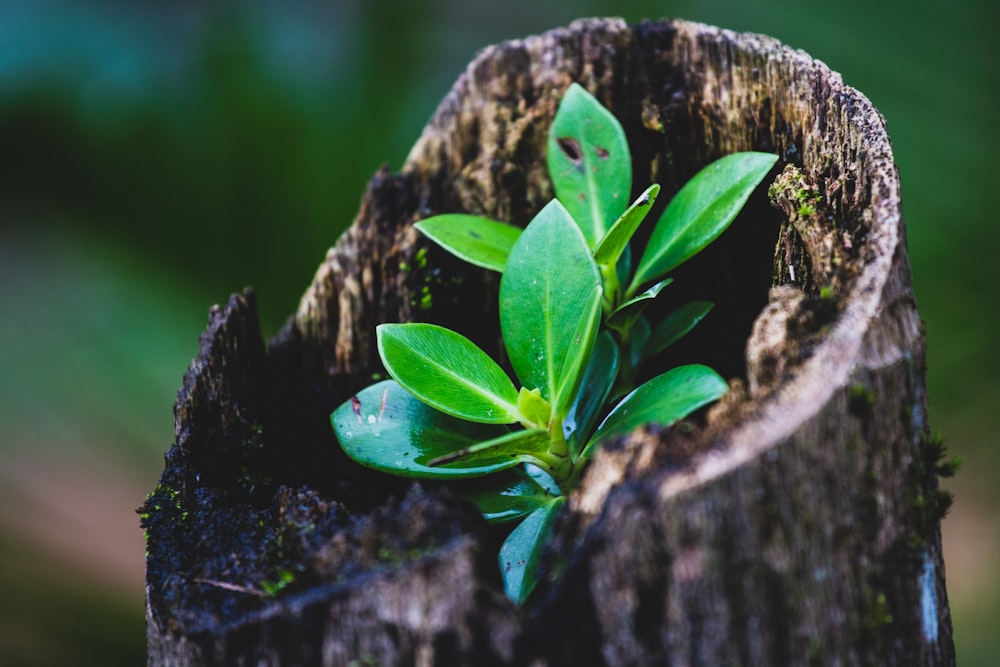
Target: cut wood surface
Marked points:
795	523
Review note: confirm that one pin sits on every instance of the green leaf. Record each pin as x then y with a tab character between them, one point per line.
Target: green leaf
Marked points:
477	240
447	371
625	315
598	380
589	162
624	266
521	551
614	242
575	364
676	325
526	445
550	296
385	427
638	340
542	479
534	409
700	212
505	496
662	401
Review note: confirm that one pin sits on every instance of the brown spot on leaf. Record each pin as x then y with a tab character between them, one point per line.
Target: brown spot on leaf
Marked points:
602	152
356	406
571	148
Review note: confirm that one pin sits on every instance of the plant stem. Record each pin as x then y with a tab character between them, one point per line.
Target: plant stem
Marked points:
610	300
557	460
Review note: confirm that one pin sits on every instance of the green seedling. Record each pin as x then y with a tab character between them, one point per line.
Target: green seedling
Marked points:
572	316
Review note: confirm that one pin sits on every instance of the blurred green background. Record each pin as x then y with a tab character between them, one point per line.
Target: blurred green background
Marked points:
158	156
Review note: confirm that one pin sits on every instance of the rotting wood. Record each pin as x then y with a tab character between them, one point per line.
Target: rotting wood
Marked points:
797	524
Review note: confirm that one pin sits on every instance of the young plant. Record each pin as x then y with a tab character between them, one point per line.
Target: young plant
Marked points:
572	319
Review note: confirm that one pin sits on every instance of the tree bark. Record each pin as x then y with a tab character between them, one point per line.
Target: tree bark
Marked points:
796	523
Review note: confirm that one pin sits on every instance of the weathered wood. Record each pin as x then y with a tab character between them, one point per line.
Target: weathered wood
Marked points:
797	523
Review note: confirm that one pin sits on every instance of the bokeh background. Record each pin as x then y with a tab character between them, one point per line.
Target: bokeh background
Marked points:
155	157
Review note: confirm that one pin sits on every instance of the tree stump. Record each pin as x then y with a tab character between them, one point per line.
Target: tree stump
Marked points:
795	523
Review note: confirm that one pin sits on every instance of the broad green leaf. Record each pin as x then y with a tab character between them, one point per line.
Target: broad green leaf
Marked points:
589	162
598	380
550	296
575	364
676	325
526	445
385	427
505	496
625	315
477	240
614	242
700	212
447	371
521	551
662	401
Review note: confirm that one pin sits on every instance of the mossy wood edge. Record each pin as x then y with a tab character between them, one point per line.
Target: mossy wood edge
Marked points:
797	523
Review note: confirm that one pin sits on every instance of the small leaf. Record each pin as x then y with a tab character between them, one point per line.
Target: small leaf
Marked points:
447	371
625	315
676	325
521	551
598	380
700	212
533	408
505	496
477	240
662	401
385	427
550	296
526	445
589	162
614	242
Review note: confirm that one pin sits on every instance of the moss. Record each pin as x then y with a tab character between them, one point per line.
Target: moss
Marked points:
791	186
162	496
943	500
274	586
860	392
861	399
929	502
426	301
878	613
396	557
937	451
427	284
